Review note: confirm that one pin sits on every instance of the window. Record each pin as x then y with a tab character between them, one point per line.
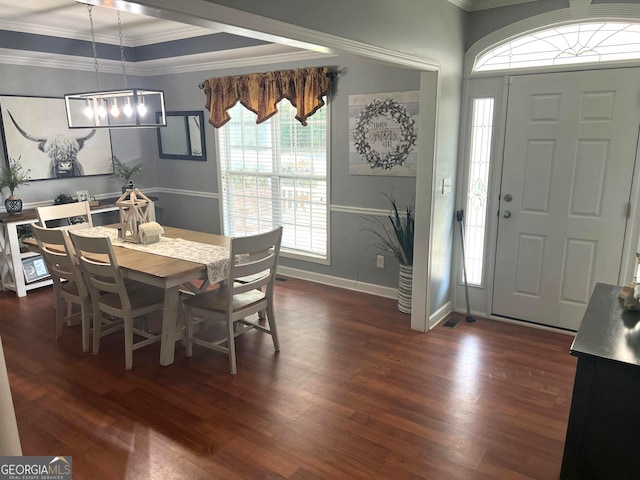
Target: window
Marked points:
569	44
476	212
275	173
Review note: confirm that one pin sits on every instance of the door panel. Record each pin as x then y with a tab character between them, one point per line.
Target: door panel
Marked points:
568	164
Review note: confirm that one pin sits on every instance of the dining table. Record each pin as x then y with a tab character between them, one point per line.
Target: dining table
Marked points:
170	272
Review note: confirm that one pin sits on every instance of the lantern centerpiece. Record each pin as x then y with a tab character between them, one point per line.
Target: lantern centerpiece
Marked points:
135	210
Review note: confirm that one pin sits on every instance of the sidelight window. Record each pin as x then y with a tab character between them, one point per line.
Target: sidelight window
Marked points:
476	211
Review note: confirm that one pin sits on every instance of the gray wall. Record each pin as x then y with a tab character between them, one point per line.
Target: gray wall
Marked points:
351	256
432	30
126	143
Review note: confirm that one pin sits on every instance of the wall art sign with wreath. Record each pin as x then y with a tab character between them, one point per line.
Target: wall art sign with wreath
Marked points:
383	134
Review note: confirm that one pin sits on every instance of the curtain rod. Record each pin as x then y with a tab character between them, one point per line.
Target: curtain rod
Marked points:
333	72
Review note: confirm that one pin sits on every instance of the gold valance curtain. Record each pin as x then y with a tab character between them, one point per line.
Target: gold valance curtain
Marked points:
260	92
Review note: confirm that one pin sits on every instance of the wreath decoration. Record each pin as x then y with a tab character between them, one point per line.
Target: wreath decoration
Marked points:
398	113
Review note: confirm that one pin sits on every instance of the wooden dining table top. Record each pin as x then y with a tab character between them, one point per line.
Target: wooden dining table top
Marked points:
167	267
160	266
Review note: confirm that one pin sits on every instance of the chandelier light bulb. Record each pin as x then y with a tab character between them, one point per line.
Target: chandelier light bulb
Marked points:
142	108
128	109
102	110
88	110
115	111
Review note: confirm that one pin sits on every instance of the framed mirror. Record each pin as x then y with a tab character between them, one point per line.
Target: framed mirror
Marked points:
183	137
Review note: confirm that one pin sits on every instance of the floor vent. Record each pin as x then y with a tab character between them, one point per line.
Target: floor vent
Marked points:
452	323
281	279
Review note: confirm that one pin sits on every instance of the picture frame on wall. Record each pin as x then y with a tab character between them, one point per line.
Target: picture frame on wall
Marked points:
35	131
383	133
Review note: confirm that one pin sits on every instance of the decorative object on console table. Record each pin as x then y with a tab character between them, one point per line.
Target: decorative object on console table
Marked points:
12	177
63	198
126	172
630	293
135	210
397	240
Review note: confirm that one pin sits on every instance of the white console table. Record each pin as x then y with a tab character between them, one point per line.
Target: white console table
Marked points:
11	257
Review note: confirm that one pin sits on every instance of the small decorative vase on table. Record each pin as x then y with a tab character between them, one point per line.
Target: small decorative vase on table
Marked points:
129	186
13	204
126	172
11	177
630	293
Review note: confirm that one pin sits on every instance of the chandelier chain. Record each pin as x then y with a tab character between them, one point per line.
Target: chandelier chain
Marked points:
122	62
93	43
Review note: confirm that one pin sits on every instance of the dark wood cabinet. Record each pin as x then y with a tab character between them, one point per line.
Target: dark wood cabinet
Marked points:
603	435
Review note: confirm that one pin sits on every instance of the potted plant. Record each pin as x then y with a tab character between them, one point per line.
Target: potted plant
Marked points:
397	239
126	172
11	177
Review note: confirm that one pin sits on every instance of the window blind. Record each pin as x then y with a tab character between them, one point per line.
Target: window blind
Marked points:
275	173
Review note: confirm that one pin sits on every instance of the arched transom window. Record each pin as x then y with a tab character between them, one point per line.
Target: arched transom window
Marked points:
569	44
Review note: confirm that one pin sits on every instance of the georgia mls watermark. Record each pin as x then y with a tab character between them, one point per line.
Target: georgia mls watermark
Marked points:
35	468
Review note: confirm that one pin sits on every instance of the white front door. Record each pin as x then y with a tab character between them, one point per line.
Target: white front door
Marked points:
569	157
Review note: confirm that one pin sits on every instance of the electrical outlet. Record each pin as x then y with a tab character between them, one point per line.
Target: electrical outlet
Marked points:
380	261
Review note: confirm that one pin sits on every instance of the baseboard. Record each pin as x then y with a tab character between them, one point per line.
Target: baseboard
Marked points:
517	322
439	315
339	282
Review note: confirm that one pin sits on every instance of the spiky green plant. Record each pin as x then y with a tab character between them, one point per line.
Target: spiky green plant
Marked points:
126	171
397	238
14	175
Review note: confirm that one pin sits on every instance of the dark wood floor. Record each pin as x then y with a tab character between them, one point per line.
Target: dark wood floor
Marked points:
353	394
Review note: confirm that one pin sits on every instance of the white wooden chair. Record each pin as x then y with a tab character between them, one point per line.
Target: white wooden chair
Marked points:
68	283
112	296
68	216
254	260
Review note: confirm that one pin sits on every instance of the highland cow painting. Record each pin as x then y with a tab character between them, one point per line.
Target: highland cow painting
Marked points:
35	130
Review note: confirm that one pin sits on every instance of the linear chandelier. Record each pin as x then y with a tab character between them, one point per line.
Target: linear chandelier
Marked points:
129	107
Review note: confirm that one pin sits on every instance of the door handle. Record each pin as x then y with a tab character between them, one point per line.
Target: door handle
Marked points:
506	214
508	197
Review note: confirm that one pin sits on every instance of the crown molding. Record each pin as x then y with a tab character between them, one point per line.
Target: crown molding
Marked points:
245	57
240	57
474	5
465	5
151	36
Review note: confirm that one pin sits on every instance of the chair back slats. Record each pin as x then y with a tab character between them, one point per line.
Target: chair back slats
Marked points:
58	255
65	216
100	265
247	290
68	281
254	263
111	297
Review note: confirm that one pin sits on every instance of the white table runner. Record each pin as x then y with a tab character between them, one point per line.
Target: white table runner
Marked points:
214	257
